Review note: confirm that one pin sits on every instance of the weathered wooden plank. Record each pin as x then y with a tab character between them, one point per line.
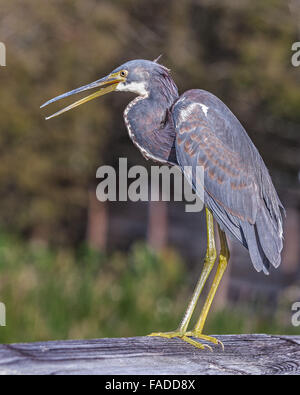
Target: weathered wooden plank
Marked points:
244	354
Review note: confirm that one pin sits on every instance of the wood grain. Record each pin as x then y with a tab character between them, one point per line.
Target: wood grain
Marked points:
243	355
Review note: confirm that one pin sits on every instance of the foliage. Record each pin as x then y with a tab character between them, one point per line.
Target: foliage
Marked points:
56	294
61	294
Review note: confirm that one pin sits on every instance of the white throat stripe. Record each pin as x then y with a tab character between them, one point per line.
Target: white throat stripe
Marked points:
135	87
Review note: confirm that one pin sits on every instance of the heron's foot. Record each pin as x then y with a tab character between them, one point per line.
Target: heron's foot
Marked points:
184	336
199	335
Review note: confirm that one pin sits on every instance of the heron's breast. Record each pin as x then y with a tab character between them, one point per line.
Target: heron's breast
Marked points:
136	125
144	128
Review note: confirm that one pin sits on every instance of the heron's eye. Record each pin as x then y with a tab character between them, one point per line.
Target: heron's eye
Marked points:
123	73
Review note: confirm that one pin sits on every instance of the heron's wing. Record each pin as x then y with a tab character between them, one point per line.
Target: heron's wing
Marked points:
237	186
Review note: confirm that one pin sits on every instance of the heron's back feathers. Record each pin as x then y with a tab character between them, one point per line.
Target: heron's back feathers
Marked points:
238	188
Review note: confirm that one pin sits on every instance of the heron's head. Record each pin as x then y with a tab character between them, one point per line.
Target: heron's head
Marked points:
137	76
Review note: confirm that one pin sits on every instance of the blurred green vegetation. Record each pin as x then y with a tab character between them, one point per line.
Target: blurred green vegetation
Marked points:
75	294
53	294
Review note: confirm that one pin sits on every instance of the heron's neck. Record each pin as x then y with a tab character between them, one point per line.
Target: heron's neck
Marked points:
150	126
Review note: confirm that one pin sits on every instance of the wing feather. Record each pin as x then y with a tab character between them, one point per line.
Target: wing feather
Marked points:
238	187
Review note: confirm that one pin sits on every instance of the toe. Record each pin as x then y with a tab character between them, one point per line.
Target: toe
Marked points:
168	335
196	344
205	337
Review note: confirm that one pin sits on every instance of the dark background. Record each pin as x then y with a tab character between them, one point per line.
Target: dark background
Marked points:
72	267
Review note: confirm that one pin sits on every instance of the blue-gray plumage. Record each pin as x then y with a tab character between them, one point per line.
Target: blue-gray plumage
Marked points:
238	187
198	129
204	132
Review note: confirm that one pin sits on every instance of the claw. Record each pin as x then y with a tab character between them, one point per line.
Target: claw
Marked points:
222	345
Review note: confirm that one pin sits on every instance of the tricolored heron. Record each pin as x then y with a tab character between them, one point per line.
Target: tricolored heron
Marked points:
195	129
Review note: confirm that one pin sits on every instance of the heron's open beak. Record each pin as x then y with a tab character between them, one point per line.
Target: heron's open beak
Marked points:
106	84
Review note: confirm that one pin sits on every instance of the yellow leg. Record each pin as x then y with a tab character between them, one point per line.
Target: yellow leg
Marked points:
223	260
210	258
208	265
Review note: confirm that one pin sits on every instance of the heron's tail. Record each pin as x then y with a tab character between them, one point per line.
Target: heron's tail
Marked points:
264	239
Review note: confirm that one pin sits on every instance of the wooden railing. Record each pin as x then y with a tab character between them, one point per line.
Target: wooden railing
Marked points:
243	354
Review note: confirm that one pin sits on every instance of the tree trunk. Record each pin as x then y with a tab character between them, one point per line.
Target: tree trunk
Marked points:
97	223
157	232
